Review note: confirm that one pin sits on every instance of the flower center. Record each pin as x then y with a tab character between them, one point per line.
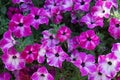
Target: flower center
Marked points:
82	3
14	57
110	63
89	39
36	16
74	59
30	52
103	11
57	55
42	75
51	37
63	33
117	25
20	24
83	64
99	73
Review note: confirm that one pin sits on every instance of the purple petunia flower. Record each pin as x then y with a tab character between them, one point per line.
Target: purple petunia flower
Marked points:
114	28
88	40
82	5
55	56
39	16
49	38
12	60
11	11
5	76
7	42
87	63
92	21
42	74
109	64
63	33
98	75
116	50
102	9
20	25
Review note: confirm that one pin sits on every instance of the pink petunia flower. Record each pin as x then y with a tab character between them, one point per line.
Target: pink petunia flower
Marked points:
7	42
114	28
92	21
82	5
49	38
102	9
74	58
42	74
39	16
30	53
116	50
12	60
20	25
11	11
87	64
63	33
88	40
5	76
55	56
98	75
109	64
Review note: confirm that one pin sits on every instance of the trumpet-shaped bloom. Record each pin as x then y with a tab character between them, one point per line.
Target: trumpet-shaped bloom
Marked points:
30	53
42	74
63	33
87	64
102	9
7	42
55	56
12	60
109	64
20	25
114	28
39	16
88	40
92	21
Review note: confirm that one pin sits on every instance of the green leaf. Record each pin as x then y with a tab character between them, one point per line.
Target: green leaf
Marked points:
3	10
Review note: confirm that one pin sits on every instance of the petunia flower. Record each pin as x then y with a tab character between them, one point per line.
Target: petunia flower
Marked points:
92	21
63	33
88	40
12	60
39	16
11	11
49	38
82	5
7	41
30	53
20	25
114	28
116	50
109	64
55	56
98	75
87	64
102	9
42	74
